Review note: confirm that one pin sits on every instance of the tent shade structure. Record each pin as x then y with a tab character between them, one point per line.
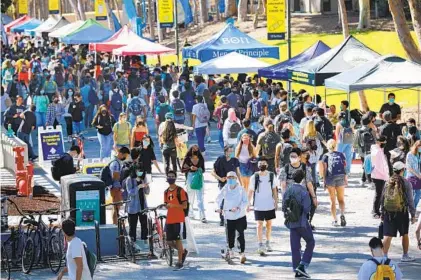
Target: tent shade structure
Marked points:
228	40
347	55
142	47
66	29
27	25
230	63
60	23
388	71
279	71
16	22
91	31
50	22
5	19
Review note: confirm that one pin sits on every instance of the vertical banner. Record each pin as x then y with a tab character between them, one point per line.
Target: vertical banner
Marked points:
23	7
276	19
166	13
100	10
54	7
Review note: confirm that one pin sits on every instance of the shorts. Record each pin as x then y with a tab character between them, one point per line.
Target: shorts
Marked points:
335	181
175	231
245	170
394	223
116	194
264	215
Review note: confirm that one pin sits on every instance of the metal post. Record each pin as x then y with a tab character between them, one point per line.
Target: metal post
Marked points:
384	96
325	96
177	46
349	106
288	7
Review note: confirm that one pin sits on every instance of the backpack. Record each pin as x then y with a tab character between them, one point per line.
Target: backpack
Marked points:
50	86
56	169
293	210
105	174
394	195
93	97
59	79
257	183
203	114
168	81
256	109
186	211
325	128
233	131
91	259
189	101
275	110
135	106
224	116
36	65
366	140
162	111
383	271
179	109
270	140
247	94
286	151
298	112
311	144
116	101
347	135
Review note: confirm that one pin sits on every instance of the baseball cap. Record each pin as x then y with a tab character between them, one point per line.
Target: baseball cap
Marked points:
232	174
399	165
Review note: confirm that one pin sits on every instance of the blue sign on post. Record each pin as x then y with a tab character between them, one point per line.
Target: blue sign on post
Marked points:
50	143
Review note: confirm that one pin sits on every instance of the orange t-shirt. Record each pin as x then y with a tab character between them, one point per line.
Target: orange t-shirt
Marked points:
175	215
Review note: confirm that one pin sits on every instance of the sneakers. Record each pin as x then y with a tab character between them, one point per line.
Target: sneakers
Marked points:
407	258
178	266
361	182
242	258
204	220
343	221
335	223
268	247
299	275
231	253
261	249
185	254
222	223
301	270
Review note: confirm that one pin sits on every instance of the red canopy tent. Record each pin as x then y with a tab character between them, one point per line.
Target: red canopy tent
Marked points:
144	47
17	21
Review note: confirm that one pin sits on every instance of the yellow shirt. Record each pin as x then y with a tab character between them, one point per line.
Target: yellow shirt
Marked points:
123	132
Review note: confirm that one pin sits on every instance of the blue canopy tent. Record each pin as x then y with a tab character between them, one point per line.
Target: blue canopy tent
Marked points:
90	32
228	40
27	25
279	71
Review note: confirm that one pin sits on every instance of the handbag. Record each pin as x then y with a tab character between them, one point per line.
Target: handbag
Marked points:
252	164
197	180
415	182
380	232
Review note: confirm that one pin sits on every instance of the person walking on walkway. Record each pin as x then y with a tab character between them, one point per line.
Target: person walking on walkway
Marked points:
413	170
104	123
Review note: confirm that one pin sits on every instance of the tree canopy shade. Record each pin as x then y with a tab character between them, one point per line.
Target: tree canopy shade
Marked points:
347	55
388	71
228	40
279	71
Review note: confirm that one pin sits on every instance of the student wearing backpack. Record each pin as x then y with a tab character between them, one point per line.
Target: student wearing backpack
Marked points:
231	128
188	96
116	100
397	203
50	87
283	150
76	262
255	109
178	107
413	170
176	200
344	134
122	132
161	110
104	123
76	109
221	114
391	131
41	102
296	205
266	144
263	196
379	267
65	164
247	130
200	119
136	107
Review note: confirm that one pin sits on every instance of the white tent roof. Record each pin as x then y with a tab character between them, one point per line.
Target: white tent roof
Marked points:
62	22
229	64
50	22
67	29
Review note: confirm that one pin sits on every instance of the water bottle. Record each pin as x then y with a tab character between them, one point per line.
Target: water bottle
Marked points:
10	132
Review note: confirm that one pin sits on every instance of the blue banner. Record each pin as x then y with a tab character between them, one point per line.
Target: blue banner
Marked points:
187	11
52	145
116	23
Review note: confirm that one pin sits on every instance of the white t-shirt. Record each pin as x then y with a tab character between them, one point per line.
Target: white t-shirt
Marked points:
195	111
368	269
263	198
75	250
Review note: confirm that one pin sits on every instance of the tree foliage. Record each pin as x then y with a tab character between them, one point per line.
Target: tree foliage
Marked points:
5	4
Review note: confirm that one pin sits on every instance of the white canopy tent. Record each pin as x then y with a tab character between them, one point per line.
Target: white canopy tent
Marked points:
50	22
229	64
67	29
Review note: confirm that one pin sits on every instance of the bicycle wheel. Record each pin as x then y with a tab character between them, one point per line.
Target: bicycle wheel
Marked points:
157	241
55	253
169	252
129	249
5	265
37	240
28	255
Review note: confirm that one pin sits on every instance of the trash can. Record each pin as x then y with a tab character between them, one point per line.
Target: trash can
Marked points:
86	192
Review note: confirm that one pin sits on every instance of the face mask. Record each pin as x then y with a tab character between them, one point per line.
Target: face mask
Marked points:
263	167
139	173
171	181
145	143
104	113
232	181
294	160
391	100
382	145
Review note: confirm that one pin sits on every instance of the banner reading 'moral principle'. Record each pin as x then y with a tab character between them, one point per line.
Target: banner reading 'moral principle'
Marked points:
276	18
166	13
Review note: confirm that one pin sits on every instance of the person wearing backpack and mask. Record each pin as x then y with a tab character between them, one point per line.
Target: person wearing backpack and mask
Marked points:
122	132
176	200
364	138
221	114
104	123
379	267
231	128
116	100
178	107
380	172
397	203
255	109
391	131
266	144
344	134
161	110
245	152
296	207
263	196
136	108
413	168
234	199
283	150
200	119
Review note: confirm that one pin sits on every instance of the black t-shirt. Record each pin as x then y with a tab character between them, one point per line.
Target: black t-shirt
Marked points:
395	109
222	166
146	156
391	131
107	123
76	110
66	165
29	122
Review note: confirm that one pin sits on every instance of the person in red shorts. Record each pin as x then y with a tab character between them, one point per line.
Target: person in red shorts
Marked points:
176	200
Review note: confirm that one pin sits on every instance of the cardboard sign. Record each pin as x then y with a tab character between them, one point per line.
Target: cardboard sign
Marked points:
50	143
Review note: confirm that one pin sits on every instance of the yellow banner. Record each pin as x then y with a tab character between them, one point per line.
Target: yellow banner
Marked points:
276	19
23	7
54	6
100	10
166	13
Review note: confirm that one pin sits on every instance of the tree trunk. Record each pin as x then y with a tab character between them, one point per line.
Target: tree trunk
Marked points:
229	8
363	101
81	10
203	12
242	10
404	33
344	19
364	21
151	21
256	14
109	15
415	7
117	10
74	4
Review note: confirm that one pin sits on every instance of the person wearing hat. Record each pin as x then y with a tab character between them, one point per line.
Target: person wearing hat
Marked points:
391	131
395	209
234	212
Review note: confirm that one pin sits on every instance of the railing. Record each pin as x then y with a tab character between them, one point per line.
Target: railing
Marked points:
7	158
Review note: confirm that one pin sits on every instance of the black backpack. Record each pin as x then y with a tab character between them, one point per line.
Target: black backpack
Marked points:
325	128
186	211
286	151
293	210
298	112
311	144
178	107
168	81
270	140
234	130
257	183
162	111
366	140
106	175
224	116
56	169
247	95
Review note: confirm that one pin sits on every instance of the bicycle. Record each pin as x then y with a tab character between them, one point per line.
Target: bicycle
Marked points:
157	237
5	265
79	140
125	243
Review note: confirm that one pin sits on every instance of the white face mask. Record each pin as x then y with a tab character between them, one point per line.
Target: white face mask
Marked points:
294	160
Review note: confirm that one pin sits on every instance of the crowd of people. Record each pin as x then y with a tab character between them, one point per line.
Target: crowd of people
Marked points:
273	143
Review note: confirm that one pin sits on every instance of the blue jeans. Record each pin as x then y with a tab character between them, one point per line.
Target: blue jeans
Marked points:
132	119
220	138
106	143
417	197
26	138
89	111
346	149
295	235
40	118
200	134
77	127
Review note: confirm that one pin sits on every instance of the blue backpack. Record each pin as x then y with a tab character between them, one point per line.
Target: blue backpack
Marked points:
106	87
36	65
189	101
117	101
256	109
93	97
135	106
